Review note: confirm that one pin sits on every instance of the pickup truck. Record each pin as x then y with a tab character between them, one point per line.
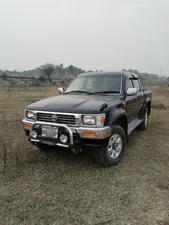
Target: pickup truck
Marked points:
98	110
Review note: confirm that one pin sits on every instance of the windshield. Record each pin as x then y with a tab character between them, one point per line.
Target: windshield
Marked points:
96	84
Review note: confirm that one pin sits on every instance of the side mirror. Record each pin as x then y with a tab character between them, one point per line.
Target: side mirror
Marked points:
61	90
131	91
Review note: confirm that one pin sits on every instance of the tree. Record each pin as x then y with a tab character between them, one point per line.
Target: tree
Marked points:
4	76
70	70
73	70
42	79
168	81
47	70
60	70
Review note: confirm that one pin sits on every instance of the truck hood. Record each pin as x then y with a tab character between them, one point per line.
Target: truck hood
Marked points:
74	103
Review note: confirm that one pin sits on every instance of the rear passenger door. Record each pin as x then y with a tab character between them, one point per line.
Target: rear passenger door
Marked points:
140	96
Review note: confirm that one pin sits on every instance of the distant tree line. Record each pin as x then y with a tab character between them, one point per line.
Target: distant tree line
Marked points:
48	70
56	70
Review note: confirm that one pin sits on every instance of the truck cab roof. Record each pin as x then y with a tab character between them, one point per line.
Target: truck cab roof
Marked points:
123	73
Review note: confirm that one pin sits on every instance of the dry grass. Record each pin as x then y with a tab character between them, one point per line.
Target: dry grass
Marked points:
160	97
59	188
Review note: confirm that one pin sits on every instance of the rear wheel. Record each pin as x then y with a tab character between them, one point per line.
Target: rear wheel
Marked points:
112	153
144	124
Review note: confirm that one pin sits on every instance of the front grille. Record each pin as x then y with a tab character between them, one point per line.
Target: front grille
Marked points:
60	118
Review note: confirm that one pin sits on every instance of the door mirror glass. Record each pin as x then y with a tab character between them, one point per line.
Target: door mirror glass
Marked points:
61	90
131	91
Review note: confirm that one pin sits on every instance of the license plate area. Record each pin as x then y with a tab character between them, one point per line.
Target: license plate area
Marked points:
49	131
48	143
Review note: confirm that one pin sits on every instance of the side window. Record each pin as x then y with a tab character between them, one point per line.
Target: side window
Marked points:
136	85
129	84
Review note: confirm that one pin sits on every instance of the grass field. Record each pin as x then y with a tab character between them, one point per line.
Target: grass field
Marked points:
59	188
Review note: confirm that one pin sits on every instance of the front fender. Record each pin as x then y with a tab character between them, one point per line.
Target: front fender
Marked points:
114	115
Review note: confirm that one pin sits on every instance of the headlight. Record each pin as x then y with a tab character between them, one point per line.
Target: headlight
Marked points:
89	119
97	119
29	115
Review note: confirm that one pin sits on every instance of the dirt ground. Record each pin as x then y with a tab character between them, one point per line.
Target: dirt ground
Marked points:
59	188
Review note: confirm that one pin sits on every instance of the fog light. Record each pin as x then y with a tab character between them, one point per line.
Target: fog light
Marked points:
63	138
34	134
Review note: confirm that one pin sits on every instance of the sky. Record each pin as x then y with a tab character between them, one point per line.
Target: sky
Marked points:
90	34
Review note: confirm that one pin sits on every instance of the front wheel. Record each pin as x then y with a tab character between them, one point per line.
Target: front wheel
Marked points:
112	153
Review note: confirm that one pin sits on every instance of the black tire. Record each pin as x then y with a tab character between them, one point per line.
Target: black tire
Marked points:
102	155
144	124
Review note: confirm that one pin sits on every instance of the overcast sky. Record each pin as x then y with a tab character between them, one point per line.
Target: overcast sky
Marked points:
92	34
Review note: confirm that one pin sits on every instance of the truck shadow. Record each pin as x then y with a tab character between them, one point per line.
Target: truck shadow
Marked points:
66	156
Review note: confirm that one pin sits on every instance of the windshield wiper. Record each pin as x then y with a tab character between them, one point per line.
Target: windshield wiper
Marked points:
86	92
93	93
103	92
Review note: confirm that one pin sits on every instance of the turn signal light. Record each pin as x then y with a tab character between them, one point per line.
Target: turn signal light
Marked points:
27	126
102	119
89	134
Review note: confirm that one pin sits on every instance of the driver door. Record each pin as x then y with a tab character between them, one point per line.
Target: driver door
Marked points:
130	102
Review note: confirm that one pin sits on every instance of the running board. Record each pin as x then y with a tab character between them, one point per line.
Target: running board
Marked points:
133	124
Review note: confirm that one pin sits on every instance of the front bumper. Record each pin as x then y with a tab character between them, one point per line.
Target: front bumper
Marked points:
83	133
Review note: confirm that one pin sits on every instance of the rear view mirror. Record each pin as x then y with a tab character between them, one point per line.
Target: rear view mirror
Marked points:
61	90
131	91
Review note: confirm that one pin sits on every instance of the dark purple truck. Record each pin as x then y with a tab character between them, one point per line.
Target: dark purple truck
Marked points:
97	110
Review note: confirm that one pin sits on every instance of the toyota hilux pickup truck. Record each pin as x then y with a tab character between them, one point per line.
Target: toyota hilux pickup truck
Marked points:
98	110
